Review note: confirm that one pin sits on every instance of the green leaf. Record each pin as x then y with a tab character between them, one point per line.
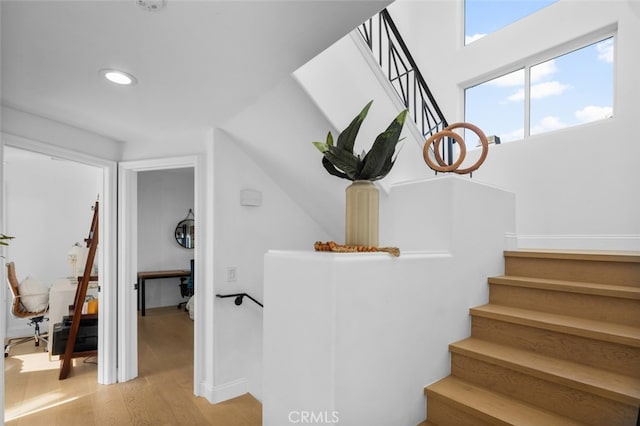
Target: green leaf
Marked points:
380	155
344	161
385	169
340	160
332	170
329	139
347	138
322	147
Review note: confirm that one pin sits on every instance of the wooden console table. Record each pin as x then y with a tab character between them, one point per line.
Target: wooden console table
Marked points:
149	275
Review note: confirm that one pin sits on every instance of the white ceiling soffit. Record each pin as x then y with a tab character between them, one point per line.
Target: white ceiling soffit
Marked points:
198	63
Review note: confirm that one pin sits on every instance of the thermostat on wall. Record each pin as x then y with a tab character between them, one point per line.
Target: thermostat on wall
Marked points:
250	197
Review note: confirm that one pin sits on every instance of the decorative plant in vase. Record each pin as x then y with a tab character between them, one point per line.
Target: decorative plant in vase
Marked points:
361	224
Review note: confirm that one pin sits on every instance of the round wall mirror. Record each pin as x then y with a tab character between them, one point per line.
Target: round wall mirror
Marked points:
185	231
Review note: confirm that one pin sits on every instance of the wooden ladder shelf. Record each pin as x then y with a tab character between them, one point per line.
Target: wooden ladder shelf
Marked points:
75	310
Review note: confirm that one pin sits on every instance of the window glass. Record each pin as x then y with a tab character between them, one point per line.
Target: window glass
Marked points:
572	89
482	17
564	91
497	107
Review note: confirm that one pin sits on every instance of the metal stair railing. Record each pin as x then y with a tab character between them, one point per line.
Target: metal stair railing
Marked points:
392	54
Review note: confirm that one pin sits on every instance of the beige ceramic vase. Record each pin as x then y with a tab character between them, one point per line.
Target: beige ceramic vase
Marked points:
361	224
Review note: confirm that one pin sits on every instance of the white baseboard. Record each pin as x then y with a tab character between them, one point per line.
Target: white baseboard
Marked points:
226	391
578	242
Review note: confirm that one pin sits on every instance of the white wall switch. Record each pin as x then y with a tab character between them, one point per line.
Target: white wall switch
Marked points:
232	274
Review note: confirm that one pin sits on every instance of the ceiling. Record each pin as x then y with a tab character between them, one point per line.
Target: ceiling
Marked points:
198	63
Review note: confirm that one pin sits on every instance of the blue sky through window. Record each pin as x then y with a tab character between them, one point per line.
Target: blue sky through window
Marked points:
567	90
483	17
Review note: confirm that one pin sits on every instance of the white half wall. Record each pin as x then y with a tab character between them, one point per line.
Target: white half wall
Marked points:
354	337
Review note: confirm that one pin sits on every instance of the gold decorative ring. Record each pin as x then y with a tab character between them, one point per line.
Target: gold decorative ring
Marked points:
435	140
447	132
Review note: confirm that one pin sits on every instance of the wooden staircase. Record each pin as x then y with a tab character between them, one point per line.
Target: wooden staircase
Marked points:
557	344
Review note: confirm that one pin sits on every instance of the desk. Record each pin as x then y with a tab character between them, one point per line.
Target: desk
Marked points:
149	275
62	294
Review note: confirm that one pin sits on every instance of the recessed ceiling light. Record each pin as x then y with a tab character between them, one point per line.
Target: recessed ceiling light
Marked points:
118	77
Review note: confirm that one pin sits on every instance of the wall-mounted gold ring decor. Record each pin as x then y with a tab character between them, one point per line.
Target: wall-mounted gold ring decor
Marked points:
441	165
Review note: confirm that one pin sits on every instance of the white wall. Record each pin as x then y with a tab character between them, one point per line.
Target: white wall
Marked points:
164	199
242	236
277	132
49	208
36	128
189	142
575	187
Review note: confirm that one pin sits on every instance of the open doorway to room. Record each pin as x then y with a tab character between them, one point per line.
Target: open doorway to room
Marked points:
48	203
154	196
166	241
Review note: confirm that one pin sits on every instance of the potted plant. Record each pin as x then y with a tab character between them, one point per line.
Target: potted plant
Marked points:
361	224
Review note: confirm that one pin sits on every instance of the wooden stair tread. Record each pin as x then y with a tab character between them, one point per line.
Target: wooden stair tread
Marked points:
619	291
491	406
426	423
593	255
605	331
607	384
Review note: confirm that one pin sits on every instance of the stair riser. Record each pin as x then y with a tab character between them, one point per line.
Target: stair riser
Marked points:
605	355
602	308
444	414
570	402
614	273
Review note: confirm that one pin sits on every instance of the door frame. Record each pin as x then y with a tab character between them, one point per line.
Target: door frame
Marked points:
128	262
107	341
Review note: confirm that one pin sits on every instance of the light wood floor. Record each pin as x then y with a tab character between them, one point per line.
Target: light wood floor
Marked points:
161	395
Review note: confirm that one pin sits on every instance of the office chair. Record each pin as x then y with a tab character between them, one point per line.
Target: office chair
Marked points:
20	311
186	288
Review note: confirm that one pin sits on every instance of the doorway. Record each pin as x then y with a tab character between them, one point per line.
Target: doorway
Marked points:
75	173
165	199
130	205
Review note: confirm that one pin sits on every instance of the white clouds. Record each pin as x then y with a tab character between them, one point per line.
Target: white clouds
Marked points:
593	113
550	122
547	124
549	88
471	39
517	96
515	78
605	50
543	70
541	90
514	135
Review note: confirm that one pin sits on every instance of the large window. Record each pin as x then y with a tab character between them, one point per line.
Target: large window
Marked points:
482	17
563	91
